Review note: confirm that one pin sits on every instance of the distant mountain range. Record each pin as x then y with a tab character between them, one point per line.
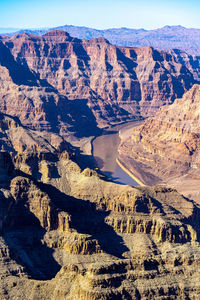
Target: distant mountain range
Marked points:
168	37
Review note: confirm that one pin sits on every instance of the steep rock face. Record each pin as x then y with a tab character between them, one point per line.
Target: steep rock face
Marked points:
109	77
110	242
160	76
17	139
42	108
191	62
165	148
66	233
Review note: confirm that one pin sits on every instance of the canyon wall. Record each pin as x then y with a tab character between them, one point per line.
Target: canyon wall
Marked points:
165	148
71	235
66	232
60	81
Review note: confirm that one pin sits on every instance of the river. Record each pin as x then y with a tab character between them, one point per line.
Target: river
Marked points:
104	150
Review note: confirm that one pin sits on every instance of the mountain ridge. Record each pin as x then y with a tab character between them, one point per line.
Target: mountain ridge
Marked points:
115	83
164	38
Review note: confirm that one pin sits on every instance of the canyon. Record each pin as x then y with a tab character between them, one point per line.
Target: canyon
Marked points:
67	232
94	81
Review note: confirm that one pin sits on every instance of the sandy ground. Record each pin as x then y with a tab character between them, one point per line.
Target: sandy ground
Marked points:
187	186
83	144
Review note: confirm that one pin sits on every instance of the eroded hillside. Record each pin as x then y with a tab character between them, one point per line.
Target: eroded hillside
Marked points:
68	234
165	148
108	84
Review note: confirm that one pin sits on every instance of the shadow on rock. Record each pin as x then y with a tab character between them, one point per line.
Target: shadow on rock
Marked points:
26	248
87	219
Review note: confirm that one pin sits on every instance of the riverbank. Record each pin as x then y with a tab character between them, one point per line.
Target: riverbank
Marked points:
105	152
129	173
124	134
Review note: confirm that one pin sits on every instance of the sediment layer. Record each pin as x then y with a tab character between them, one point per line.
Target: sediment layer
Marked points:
165	148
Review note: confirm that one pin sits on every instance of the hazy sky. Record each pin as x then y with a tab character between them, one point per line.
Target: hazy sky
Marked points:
99	14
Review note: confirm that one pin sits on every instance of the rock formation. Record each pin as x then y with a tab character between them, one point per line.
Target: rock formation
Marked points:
41	107
191	62
165	148
98	241
68	234
92	79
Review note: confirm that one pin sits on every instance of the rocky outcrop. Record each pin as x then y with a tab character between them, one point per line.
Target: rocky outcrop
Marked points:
18	139
93	239
86	82
43	108
165	148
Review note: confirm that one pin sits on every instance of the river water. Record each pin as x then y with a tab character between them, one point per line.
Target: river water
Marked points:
105	153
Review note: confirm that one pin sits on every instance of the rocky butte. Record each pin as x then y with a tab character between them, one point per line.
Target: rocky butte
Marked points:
66	232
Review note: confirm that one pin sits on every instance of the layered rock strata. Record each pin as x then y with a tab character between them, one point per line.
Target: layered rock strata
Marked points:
66	233
42	108
165	148
101	241
107	84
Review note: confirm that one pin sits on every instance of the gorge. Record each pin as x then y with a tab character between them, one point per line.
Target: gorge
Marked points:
105	151
67	230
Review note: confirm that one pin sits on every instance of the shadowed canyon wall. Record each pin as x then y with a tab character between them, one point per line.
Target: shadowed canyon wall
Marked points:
57	80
